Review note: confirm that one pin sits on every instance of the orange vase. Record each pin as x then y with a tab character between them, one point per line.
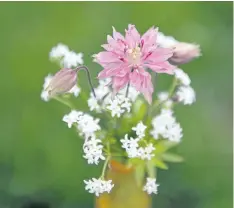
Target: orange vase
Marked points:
126	193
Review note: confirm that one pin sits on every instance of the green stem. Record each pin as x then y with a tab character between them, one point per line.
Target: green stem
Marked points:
151	169
172	88
65	102
105	167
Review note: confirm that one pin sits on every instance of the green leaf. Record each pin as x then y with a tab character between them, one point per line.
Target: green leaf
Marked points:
160	164
164	145
139	110
169	157
112	140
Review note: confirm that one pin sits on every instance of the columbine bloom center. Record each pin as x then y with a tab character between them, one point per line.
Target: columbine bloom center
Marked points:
134	55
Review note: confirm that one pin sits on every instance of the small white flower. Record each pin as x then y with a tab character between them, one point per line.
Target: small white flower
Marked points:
182	77
151	186
66	57
87	125
115	108
72	117
186	95
117	105
130	145
163	96
45	96
132	93
146	153
165	125
72	59
174	133
75	91
104	82
93	151
93	104
140	130
134	151
59	51
98	186
165	41
44	93
161	122
126	104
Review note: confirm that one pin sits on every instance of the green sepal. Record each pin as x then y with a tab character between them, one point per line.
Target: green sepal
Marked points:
173	158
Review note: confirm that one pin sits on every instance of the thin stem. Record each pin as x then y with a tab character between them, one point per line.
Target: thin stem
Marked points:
151	170
89	77
172	88
127	91
105	167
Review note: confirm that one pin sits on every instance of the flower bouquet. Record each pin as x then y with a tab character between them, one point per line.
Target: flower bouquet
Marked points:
125	130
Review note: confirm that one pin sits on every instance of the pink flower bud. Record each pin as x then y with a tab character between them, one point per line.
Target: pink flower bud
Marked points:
184	52
62	82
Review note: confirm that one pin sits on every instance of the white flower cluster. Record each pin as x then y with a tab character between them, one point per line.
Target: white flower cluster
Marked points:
140	130
151	186
132	146
165	125
87	127
185	92
98	186
86	124
164	97
182	77
119	105
165	41
93	151
65	57
186	95
104	100
45	95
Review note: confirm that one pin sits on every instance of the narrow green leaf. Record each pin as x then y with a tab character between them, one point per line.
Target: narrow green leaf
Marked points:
164	145
169	157
160	164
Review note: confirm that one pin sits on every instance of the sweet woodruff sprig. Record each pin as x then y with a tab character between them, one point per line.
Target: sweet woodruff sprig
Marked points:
121	124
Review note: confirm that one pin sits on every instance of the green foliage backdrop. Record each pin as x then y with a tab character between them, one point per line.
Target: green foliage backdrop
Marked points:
40	158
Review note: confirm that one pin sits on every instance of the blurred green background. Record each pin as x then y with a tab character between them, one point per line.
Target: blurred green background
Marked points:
41	159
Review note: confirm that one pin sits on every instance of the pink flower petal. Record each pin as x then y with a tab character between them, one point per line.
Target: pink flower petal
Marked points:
141	80
159	55
120	70
119	82
107	57
132	36
149	39
163	67
117	35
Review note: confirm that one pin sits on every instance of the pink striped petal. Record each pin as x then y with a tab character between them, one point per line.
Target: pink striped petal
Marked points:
107	57
163	67
119	82
141	80
132	36
159	55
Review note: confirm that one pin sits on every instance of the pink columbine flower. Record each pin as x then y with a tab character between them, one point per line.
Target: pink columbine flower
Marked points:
184	52
63	81
127	58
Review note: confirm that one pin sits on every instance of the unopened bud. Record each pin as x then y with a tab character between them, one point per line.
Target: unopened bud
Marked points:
184	52
63	81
